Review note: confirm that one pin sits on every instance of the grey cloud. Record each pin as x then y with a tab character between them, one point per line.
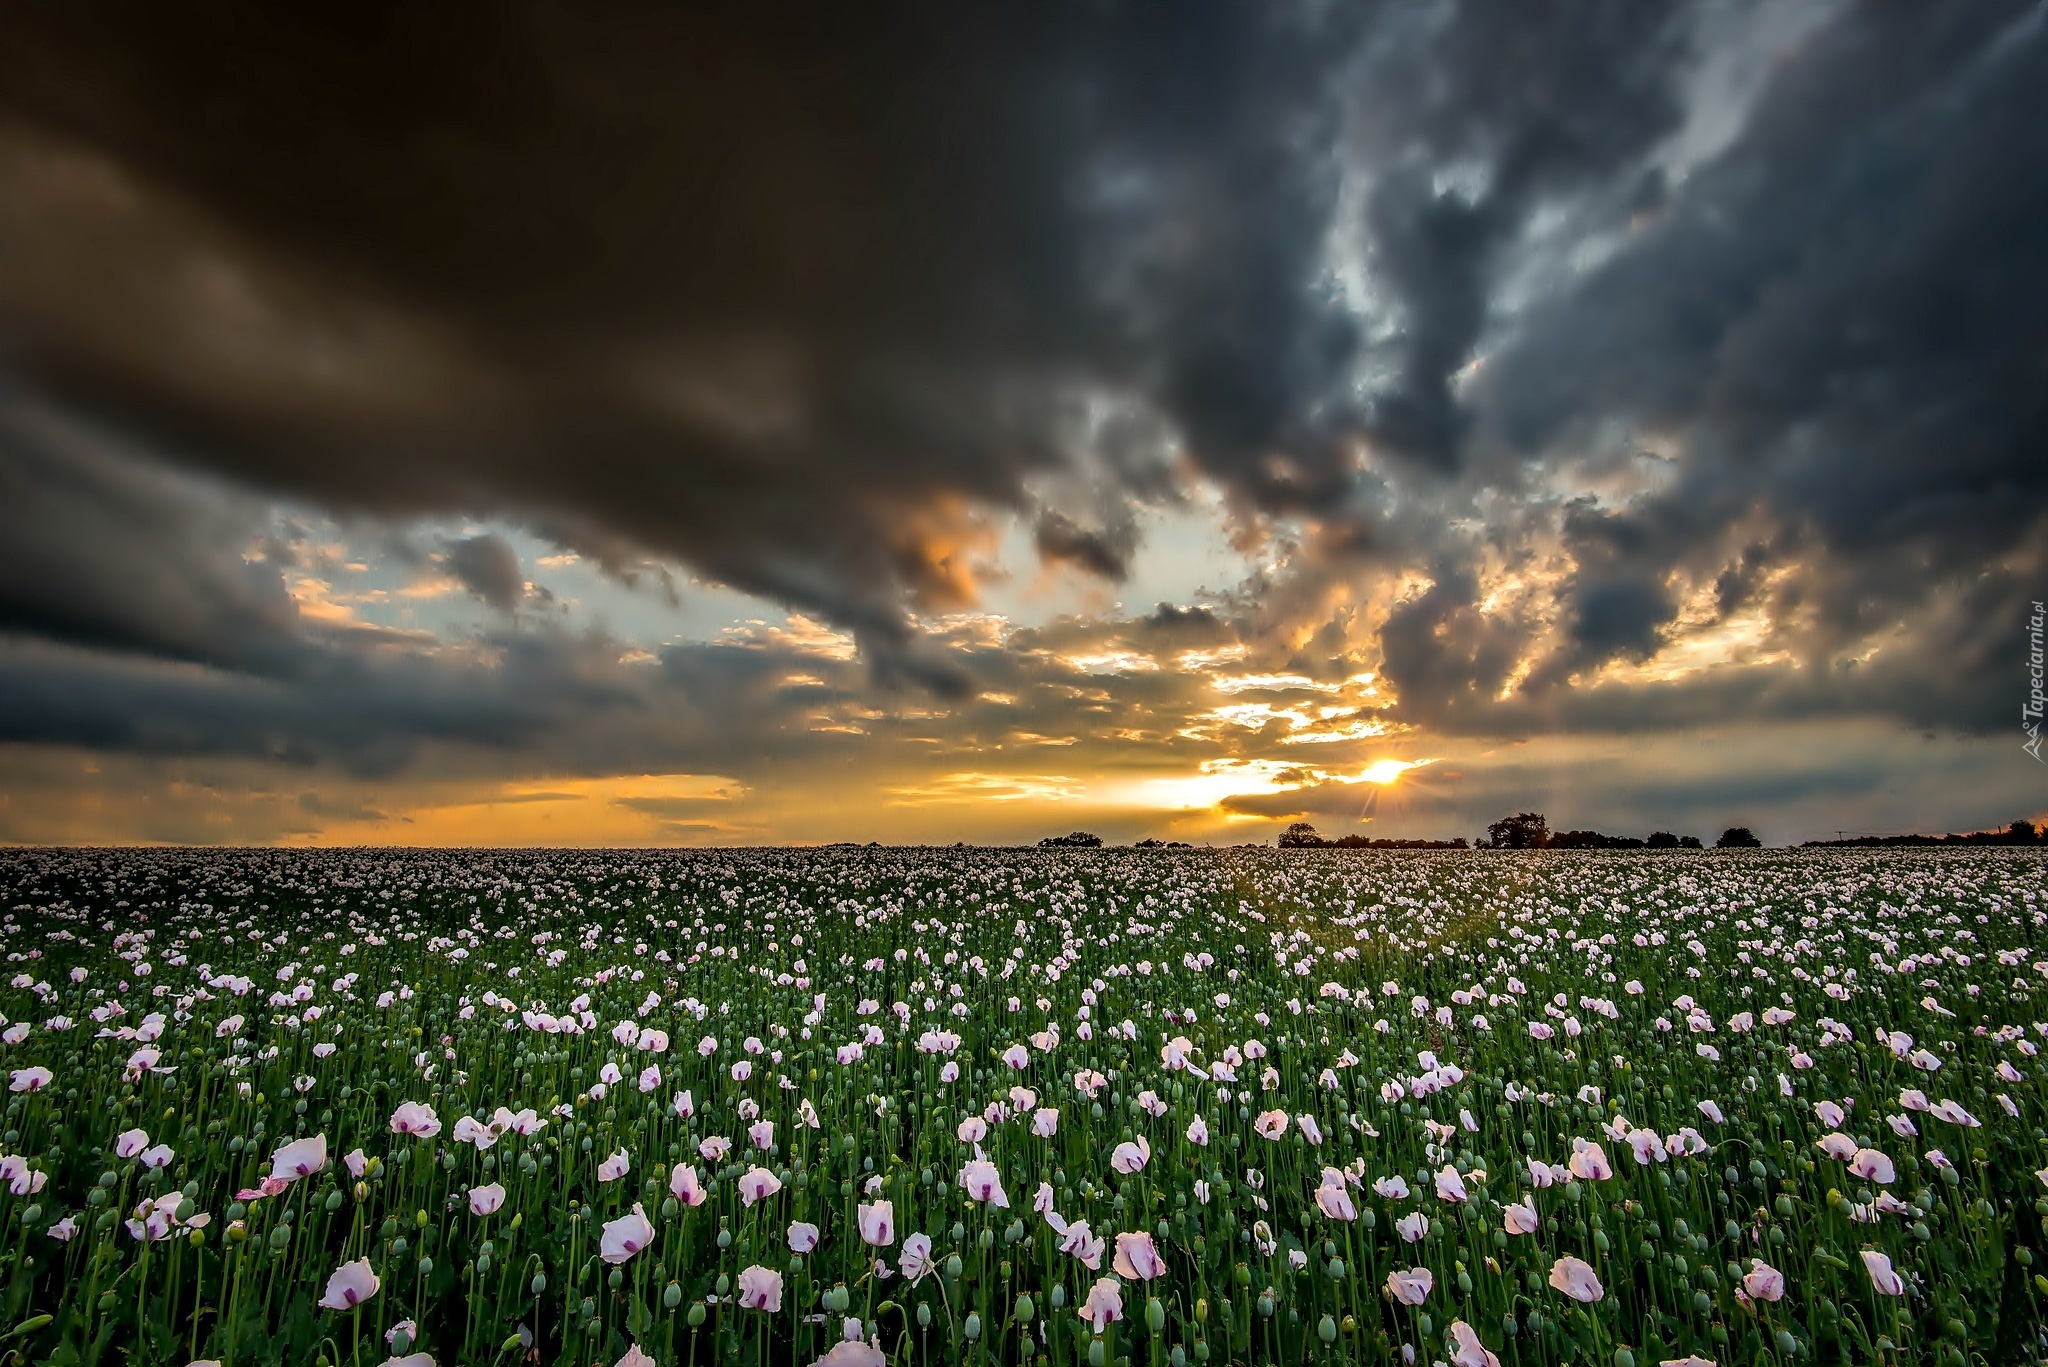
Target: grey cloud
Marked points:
1104	552
489	568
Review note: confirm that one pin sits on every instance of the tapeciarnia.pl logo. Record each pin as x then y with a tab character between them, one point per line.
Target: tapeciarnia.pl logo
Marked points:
2030	714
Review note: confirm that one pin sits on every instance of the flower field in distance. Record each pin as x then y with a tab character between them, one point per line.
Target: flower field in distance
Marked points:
1142	1107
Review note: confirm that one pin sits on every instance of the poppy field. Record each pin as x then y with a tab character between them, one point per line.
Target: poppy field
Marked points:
858	1106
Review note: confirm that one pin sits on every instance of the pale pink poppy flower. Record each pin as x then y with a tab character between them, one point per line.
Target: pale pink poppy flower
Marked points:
635	1358
1829	1114
1138	1258
625	1236
1712	1111
469	1130
351	1285
15	1172
357	1163
1041	1200
1691	1360
300	1158
1105	1304
684	1105
1022	1099
1151	1103
486	1199
803	1237
1335	1203
877	1222
1393	1188
758	1184
1873	1166
1088	1082
1309	1129
64	1230
1887	1282
1411	1287
1198	1132
129	1143
1521	1217
1017	1056
1079	1242
715	1148
1837	1146
1763	1282
1174	1053
1131	1155
1412	1226
614	1167
972	1130
949	1072
650	1077
1576	1279
1045	1122
158	1157
1913	1099
980	1180
761	1134
415	1118
761	1289
1449	1185
683	1185
853	1353
1589	1162
1271	1124
707	1046
916	1259
1467	1350
1647	1147
742	1070
1953	1114
29	1079
1541	1174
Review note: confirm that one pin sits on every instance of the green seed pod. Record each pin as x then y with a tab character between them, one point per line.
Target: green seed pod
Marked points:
695	1318
972	1329
426	1266
723	1284
924	1315
953	1267
1059	1296
1624	1358
1024	1309
672	1295
1095	1357
1155	1314
1326	1329
539	1284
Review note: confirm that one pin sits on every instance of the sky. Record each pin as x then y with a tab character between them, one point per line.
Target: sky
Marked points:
519	423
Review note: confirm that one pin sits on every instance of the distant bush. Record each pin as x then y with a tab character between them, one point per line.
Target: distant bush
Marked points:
1079	840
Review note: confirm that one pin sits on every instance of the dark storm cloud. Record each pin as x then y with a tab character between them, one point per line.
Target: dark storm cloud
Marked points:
794	297
776	291
99	549
1840	322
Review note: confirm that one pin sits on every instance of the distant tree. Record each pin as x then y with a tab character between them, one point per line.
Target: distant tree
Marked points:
1689	842
1300	836
1738	838
2022	833
1662	840
1079	840
1522	831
